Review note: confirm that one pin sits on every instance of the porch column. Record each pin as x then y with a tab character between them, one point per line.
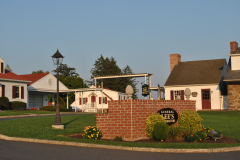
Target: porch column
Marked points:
67	100
28	99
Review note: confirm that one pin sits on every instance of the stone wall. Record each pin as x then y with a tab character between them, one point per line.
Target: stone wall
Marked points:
117	122
234	96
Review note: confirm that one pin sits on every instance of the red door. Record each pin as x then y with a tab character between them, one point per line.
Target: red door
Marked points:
93	100
206	99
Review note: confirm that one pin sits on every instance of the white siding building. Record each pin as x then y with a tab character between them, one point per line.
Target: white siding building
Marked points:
96	101
204	79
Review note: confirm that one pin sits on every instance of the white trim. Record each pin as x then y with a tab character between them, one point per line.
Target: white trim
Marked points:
15	80
191	85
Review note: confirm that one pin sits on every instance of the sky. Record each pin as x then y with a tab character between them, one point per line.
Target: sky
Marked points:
138	33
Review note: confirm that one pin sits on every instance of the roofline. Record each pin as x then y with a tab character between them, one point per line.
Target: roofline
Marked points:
231	80
15	80
124	76
191	85
234	54
82	90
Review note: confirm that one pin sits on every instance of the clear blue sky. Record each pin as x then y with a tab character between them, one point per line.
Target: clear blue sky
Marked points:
138	33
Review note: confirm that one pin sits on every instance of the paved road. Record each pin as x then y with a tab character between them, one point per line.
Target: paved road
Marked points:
13	150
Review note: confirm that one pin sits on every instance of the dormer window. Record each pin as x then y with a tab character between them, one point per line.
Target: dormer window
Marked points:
2	67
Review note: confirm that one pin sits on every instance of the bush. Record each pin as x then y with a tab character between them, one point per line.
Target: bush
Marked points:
18	105
160	131
196	137
4	103
177	133
53	108
34	109
190	120
92	133
151	121
118	138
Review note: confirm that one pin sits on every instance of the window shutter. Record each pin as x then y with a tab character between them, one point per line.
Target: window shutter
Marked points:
80	101
105	100
3	90
22	92
182	94
13	91
171	95
100	100
86	100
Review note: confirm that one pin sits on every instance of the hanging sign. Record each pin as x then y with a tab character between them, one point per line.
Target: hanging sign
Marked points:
169	114
145	90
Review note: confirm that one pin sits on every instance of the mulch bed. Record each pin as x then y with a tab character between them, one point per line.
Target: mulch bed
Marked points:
224	139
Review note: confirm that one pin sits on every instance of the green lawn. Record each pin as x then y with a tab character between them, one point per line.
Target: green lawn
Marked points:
40	128
227	122
23	112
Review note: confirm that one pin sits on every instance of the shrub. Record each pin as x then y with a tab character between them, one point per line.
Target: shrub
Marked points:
151	121
177	133
4	103
34	109
190	120
92	133
18	105
118	138
196	137
53	108
160	131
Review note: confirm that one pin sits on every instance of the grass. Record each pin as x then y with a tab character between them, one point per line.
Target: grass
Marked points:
40	128
23	112
227	122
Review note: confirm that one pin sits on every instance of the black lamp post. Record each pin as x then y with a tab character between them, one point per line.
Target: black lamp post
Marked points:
57	60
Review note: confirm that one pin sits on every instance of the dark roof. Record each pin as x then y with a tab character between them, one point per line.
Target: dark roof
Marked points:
236	52
196	72
232	75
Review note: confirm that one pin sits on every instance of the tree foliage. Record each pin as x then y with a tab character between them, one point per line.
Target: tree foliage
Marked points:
71	79
65	70
108	66
39	71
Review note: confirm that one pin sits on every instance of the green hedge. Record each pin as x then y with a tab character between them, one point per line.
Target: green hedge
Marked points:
53	108
18	105
4	103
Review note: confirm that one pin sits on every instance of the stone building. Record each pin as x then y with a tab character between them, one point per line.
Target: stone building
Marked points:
232	77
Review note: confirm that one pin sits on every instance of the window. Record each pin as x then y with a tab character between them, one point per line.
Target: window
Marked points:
103	100
177	95
3	91
84	101
16	92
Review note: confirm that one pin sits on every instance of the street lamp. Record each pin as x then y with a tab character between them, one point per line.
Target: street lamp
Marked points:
57	60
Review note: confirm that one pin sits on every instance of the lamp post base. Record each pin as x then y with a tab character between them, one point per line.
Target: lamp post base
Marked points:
58	126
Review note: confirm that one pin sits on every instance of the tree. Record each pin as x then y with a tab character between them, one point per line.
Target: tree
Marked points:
70	78
66	71
39	71
105	66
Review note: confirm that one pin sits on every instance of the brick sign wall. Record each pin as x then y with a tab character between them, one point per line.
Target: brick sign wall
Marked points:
118	120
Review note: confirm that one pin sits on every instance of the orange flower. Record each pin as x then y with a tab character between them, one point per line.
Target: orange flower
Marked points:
200	139
191	135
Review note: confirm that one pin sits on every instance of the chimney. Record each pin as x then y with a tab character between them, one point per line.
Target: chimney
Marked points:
233	46
174	59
